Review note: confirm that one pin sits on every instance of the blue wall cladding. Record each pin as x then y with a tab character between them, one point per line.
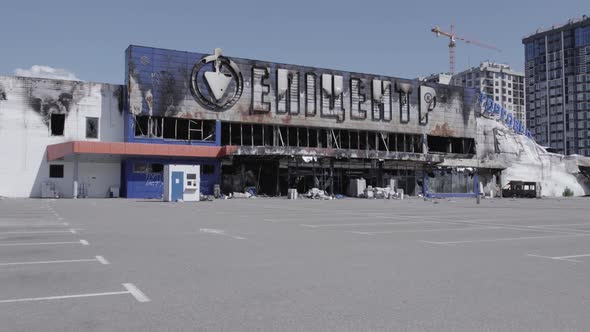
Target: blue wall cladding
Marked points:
158	85
143	177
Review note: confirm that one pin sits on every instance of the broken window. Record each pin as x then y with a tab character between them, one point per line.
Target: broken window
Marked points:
175	128
225	133
91	127
182	129
156	168
438	144
354	140
140	167
56	171
457	145
155	126
195	130
313	138
57	124
267	132
169	128
141	126
208	130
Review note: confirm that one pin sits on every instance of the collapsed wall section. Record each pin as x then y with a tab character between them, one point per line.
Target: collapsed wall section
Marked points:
522	159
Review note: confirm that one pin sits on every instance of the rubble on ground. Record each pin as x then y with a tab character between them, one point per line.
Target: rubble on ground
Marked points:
316	193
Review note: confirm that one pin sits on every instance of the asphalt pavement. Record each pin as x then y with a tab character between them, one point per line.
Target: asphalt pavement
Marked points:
270	264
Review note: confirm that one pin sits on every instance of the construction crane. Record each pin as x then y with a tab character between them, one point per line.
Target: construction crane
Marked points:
452	44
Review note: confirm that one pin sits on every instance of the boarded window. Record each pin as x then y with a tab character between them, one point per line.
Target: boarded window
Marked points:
57	124
56	171
207	169
91	127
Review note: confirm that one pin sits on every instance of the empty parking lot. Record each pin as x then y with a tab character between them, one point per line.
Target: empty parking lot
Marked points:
279	265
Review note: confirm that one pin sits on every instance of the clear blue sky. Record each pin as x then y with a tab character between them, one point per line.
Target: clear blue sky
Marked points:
380	37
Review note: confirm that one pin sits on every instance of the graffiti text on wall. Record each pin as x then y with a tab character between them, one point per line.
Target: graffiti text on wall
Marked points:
496	109
153	180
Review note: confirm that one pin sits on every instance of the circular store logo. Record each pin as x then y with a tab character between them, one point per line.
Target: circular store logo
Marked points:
216	82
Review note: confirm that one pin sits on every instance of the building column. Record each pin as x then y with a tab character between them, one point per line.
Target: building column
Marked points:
75	182
424	183
476	185
218	132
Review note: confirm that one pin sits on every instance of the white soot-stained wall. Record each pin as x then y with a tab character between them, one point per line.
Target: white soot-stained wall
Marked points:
27	106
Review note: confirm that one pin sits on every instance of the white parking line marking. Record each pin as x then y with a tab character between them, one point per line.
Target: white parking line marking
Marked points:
48	298
285	219
55	262
509	226
34	232
370	224
505	239
554	258
131	289
139	295
33	224
559	225
83	242
562	258
102	260
573	256
220	232
427	230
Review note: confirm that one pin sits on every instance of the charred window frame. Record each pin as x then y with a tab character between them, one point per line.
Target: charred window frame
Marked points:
457	145
246	134
175	128
57	124
92	127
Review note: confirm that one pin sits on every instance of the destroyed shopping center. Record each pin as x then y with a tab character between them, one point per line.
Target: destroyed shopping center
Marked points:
264	128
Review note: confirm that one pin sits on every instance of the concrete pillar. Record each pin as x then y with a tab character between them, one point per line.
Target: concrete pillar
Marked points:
278	188
218	132
424	144
75	182
332	177
476	186
424	184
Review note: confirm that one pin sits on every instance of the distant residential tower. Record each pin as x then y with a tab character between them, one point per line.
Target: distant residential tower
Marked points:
499	81
557	69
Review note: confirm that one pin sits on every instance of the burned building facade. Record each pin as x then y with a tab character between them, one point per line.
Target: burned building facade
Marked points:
294	126
247	123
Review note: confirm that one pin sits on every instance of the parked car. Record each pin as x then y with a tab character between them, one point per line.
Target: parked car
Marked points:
521	189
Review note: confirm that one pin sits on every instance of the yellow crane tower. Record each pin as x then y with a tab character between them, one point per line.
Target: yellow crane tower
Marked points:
453	37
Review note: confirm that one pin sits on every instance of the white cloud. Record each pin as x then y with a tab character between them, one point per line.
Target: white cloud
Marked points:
46	72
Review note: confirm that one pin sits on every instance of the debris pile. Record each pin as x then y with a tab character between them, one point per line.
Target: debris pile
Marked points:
316	193
247	194
382	193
